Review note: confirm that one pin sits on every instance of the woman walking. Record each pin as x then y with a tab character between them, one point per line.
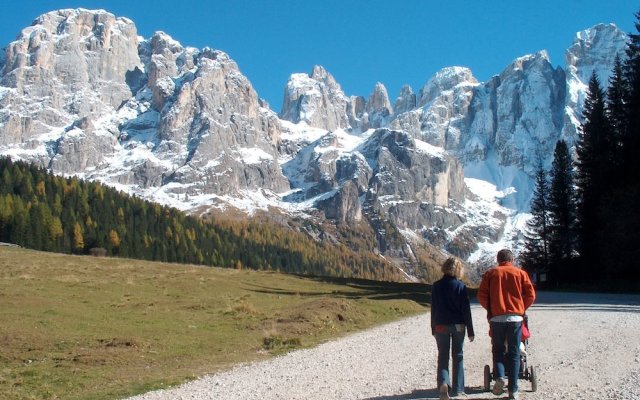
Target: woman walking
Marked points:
450	316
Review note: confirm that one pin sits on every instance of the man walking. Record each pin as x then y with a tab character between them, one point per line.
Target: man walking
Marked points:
506	293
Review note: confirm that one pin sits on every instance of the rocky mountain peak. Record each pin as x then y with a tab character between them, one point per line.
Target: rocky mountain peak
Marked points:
445	79
161	42
315	99
99	96
378	108
379	99
81	94
592	50
318	73
405	101
441	108
58	39
528	61
69	64
517	118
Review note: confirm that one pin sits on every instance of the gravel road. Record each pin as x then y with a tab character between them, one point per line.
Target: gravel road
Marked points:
583	346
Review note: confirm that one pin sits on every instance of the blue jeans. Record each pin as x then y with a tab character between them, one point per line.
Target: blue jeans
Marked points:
505	346
454	340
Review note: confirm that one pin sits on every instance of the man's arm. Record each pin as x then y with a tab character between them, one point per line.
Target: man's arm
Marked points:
528	291
483	291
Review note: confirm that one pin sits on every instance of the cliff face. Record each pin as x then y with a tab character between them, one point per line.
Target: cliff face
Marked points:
60	76
498	130
315	99
82	94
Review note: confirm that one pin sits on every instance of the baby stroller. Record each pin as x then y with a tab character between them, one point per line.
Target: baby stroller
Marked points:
527	372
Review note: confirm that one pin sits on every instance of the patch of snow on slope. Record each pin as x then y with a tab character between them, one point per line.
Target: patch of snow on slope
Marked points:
514	184
349	142
254	155
430	149
485	211
341	142
300	131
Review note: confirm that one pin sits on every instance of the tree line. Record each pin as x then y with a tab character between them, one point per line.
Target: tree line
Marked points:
585	223
41	211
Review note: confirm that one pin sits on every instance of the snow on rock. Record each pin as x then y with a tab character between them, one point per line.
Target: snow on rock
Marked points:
83	94
441	115
315	99
593	50
499	224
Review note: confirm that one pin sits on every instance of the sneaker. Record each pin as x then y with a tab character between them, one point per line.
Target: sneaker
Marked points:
498	387
513	396
444	392
460	395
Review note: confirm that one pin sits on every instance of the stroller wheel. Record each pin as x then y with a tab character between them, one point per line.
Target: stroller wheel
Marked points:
533	378
487	378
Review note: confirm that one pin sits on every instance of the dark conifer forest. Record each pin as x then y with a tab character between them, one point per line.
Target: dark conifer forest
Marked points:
586	212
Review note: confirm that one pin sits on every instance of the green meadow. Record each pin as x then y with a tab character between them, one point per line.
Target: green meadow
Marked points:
81	327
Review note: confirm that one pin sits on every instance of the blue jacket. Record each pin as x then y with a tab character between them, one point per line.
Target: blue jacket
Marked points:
450	304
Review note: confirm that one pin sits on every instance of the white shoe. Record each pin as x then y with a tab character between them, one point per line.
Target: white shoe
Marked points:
513	396
498	387
444	392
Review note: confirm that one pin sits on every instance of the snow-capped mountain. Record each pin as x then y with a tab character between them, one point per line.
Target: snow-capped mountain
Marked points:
83	94
498	130
448	167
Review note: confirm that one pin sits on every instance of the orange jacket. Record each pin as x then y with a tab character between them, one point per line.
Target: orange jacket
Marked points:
509	290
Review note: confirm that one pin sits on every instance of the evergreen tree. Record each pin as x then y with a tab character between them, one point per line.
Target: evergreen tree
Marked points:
535	256
591	178
631	137
619	207
616	110
562	210
6	180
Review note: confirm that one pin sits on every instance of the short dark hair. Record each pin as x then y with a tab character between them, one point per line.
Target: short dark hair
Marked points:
505	255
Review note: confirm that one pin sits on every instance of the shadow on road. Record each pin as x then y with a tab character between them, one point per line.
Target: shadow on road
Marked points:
432	394
362	288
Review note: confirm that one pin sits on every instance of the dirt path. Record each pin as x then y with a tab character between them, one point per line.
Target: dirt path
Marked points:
583	347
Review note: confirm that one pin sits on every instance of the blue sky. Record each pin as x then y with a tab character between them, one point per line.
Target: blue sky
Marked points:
359	42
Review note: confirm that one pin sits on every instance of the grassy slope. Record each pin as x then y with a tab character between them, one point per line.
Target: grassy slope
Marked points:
77	327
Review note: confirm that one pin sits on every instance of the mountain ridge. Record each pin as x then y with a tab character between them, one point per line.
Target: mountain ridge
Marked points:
185	127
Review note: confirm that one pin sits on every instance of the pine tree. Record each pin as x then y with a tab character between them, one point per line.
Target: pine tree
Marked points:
6	179
591	177
631	137
562	210
616	106
619	208
535	256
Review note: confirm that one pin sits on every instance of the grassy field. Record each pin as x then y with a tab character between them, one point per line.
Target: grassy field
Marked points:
74	327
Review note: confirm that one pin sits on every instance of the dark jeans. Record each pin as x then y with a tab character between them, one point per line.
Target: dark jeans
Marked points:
505	345
454	340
